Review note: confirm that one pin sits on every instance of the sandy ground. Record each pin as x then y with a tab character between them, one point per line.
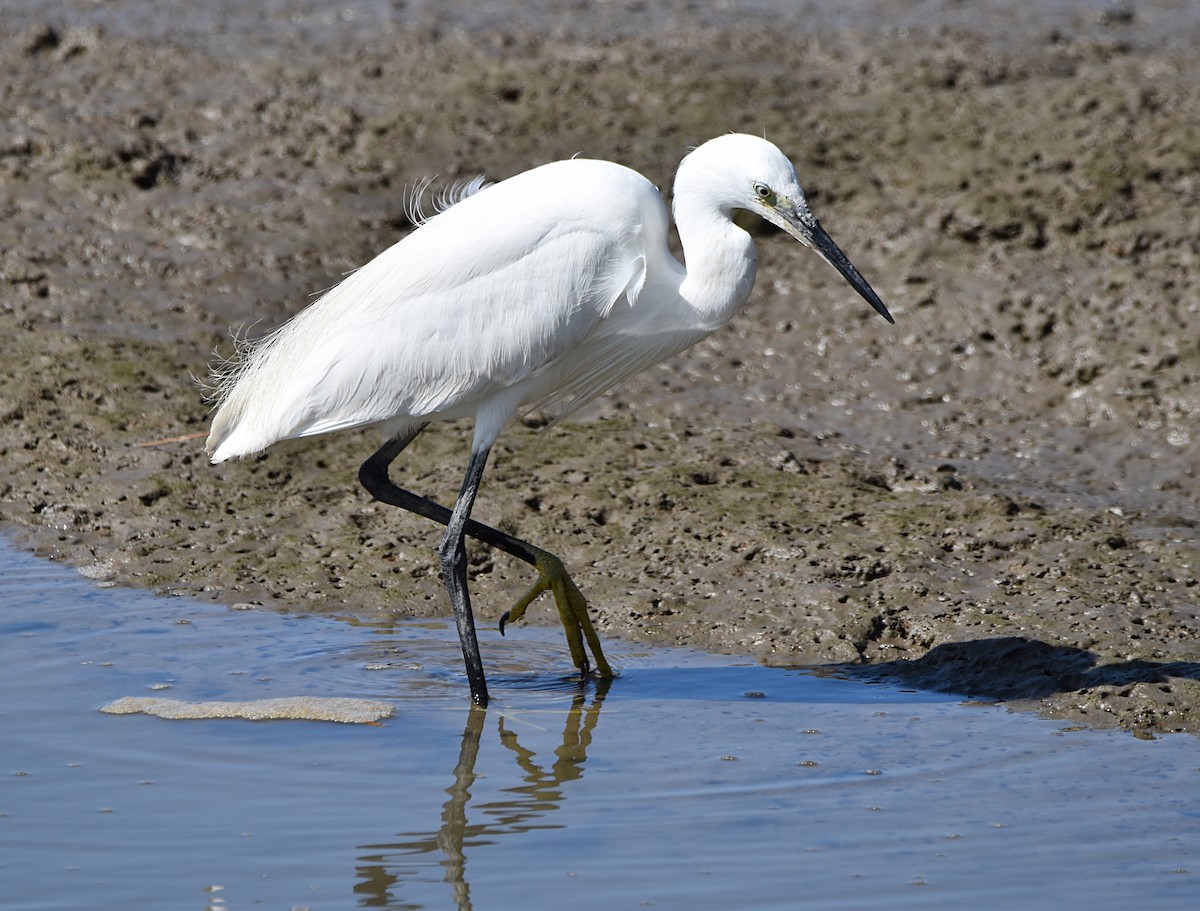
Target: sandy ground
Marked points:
996	497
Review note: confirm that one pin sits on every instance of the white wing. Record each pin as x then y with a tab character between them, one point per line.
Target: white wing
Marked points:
489	293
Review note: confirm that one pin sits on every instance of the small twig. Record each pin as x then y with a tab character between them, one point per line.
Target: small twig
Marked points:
182	439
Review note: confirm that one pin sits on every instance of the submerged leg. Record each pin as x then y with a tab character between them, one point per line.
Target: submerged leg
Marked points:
552	575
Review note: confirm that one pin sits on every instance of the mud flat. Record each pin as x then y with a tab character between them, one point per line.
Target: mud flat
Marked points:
997	496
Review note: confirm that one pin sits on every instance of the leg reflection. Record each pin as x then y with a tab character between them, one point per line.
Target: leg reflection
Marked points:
384	868
543	791
452	836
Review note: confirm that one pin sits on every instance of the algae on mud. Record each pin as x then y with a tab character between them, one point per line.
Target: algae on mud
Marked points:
997	497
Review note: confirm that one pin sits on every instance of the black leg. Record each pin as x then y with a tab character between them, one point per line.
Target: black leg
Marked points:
453	553
373	475
552	574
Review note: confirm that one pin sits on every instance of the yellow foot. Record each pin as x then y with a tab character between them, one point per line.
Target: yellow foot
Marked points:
572	609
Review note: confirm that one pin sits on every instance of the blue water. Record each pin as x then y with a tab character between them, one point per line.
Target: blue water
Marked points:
695	782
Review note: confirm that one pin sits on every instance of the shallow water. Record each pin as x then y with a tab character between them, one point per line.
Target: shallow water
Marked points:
695	781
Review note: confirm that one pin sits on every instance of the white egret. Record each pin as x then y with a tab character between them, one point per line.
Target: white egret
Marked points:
541	291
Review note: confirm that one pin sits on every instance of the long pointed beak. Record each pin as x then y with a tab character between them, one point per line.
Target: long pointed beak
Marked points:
806	229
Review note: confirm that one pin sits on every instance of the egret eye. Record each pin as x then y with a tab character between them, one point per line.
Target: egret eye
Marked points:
764	192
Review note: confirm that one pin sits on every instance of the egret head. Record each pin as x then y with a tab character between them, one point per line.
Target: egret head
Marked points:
752	174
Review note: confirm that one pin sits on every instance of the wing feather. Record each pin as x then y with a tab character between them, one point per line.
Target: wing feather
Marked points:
486	295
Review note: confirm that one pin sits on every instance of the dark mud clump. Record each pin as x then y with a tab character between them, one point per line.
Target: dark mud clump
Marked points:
996	497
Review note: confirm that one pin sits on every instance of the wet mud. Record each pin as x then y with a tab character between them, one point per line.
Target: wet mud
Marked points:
996	497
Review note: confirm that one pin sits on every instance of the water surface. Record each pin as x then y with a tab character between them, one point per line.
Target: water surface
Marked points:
693	782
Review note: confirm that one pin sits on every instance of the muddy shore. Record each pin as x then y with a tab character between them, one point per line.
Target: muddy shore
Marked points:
996	497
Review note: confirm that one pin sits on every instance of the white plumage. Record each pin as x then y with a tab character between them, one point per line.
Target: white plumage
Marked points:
470	310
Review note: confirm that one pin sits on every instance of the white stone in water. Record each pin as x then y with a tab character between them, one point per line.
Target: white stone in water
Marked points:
300	708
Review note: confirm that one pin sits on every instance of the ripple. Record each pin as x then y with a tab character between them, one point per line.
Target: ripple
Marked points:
724	782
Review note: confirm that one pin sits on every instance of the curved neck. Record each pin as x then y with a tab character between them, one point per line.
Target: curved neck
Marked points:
720	260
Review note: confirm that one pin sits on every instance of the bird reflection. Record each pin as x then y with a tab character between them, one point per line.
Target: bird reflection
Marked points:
385	867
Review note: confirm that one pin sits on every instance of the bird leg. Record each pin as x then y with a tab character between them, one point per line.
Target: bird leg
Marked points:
552	575
453	554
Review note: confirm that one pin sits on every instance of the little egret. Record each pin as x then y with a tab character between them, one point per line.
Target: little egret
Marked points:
540	291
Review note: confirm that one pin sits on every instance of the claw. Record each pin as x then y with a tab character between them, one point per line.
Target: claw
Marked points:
572	610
